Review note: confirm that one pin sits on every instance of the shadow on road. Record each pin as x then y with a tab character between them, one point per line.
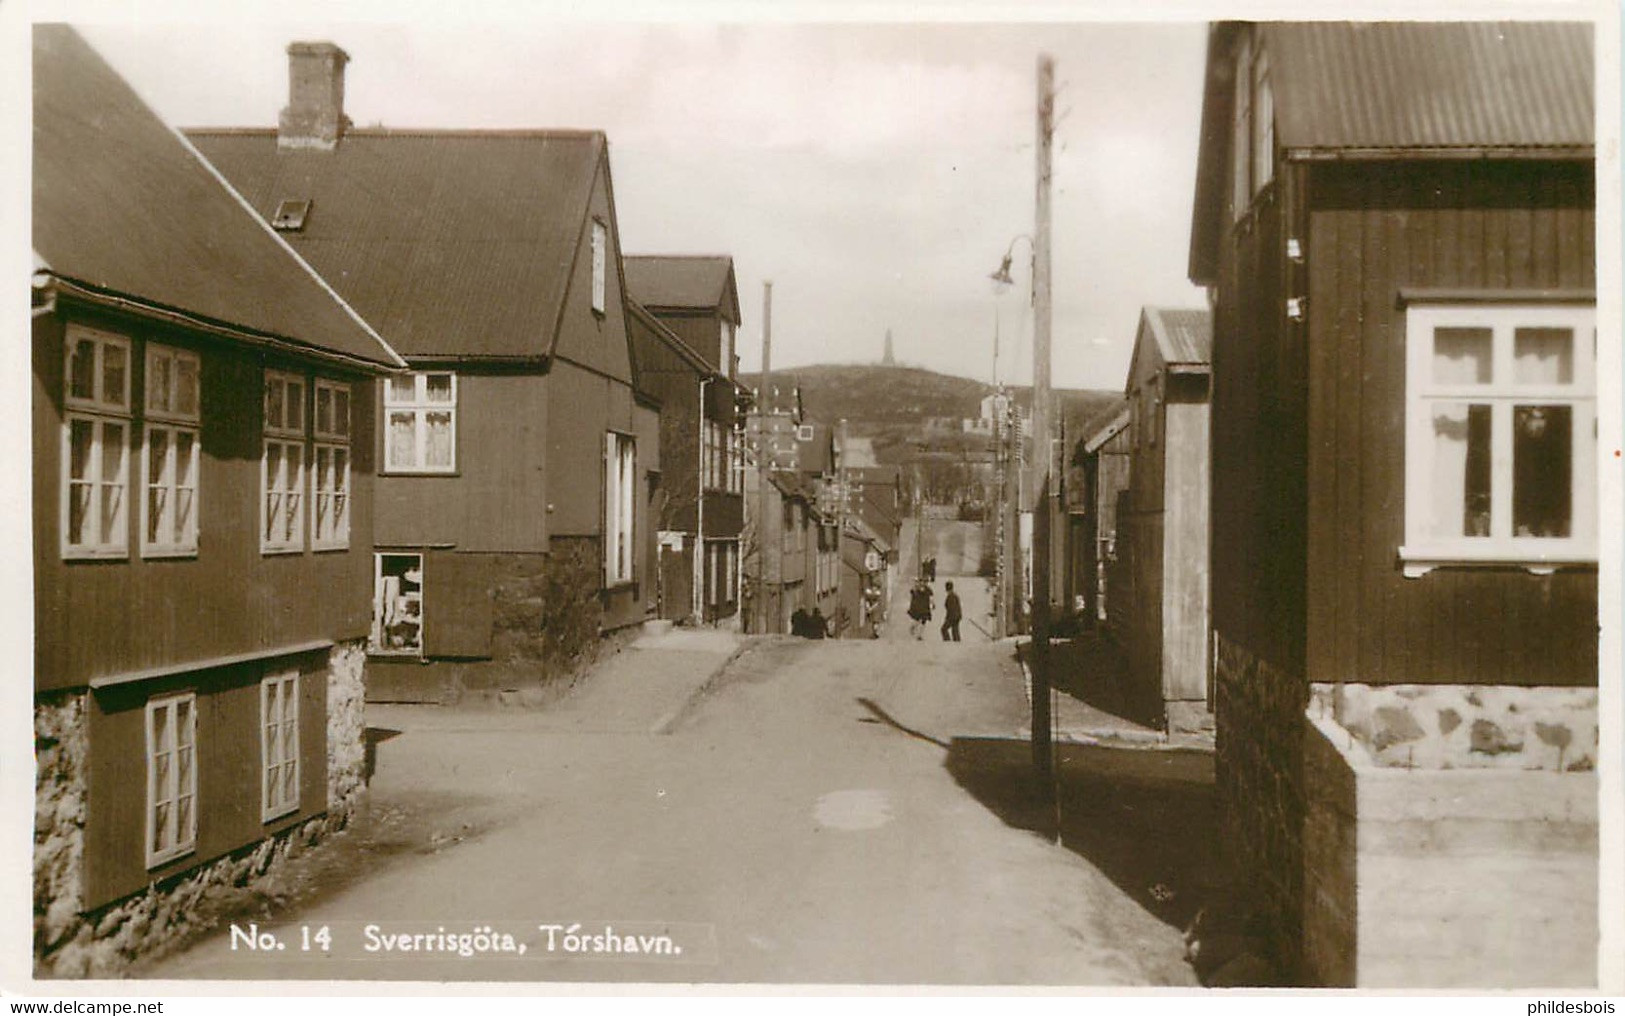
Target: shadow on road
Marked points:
1146	819
891	721
371	738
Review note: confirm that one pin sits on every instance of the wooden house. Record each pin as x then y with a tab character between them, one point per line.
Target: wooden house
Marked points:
516	464
1098	474
685	320
203	426
1396	223
1162	525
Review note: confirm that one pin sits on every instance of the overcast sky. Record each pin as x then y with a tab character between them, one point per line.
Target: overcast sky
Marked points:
875	173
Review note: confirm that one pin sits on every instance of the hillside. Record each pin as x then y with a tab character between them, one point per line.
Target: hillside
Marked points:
888	401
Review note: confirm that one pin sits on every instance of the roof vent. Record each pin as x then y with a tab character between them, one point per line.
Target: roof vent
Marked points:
290	215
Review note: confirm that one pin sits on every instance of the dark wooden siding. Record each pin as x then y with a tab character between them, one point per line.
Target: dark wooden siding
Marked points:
497	499
1260	387
228	770
1373	230
586	338
702	330
582	408
101	618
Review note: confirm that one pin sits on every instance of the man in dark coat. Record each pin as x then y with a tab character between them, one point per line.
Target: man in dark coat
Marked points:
950	615
817	626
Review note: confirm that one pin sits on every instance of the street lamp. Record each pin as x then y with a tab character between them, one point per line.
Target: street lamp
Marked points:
1002	276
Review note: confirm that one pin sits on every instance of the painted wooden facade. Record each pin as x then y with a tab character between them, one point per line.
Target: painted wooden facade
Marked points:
522	460
1356	186
1101	459
1162	525
202	446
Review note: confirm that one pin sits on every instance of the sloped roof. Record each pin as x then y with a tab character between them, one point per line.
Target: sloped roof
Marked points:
1346	85
1399	90
684	282
451	243
1182	336
125	207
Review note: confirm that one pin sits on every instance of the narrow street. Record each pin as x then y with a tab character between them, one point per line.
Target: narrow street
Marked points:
825	812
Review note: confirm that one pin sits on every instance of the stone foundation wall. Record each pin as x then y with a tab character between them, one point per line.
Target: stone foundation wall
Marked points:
1463	876
1465	726
61	758
346	730
1258	713
69	943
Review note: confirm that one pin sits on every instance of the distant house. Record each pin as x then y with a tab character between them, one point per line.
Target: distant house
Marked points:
1162	525
1397	225
685	320
203	422
516	464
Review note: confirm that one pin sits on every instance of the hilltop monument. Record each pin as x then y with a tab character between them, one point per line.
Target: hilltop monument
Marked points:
887	359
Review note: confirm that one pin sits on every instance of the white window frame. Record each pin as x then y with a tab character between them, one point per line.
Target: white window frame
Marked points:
172	835
727	350
178	473
286	434
279	745
330	459
406	603
420	407
600	264
1252	125
1420	554
620	494
101	410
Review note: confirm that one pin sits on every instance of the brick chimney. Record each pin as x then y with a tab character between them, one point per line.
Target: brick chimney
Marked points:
315	116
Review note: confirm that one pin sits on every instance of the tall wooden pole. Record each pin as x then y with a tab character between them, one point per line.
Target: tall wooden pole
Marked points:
767	542
1043	750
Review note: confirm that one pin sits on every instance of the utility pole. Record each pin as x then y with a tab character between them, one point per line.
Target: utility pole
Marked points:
766	535
1043	749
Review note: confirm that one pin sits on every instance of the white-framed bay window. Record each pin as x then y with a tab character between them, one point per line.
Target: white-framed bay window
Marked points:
279	744
1501	435
282	464
420	423
330	463
170	452
171	749
620	495
96	444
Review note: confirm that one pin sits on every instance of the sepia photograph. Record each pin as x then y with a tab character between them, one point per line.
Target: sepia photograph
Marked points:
1086	498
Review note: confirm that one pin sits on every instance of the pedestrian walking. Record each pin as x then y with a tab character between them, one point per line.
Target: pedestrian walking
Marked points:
951	615
919	609
817	626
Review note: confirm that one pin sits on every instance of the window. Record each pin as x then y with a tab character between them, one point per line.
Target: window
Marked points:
171	777
736	463
331	458
279	744
1252	138
96	444
421	428
282	464
170	451
600	246
620	488
727	360
714	465
1501	436
397	605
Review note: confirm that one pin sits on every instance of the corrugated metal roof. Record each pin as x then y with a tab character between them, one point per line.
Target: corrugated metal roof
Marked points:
1183	336
1347	85
123	205
684	281
451	243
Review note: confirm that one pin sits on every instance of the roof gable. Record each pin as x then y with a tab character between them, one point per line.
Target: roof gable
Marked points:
124	205
454	244
684	282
